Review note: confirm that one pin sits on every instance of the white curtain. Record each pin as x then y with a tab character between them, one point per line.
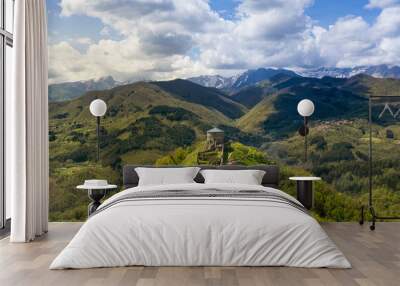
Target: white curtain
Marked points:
27	124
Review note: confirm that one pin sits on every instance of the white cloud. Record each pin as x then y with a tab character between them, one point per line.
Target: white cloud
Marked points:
164	39
265	33
344	41
66	63
83	40
388	22
69	64
158	36
106	31
381	3
351	41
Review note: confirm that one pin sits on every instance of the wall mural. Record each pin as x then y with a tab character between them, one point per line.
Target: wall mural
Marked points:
389	108
166	105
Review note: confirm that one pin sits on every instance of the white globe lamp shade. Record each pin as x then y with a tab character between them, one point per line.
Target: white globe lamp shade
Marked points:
98	107
305	108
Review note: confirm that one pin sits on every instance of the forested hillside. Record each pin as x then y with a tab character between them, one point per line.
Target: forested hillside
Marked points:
166	123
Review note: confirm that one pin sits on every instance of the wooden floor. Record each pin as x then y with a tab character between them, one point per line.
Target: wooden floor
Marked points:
375	257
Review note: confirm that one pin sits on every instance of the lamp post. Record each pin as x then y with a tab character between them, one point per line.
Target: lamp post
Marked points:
305	108
98	108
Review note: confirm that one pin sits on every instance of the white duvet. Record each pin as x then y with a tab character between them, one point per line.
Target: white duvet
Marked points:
200	231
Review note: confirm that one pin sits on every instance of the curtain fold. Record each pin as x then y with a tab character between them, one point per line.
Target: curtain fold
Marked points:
27	122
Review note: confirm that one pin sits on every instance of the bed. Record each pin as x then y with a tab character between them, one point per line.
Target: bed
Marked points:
197	224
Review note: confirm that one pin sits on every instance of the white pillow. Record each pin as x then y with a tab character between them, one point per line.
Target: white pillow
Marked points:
247	177
166	176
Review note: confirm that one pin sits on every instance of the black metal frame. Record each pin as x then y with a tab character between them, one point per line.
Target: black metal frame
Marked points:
371	208
303	131
98	138
6	39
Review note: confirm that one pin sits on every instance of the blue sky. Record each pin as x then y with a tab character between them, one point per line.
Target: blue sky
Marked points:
326	12
163	39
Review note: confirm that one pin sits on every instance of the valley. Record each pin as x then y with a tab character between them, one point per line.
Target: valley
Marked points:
166	123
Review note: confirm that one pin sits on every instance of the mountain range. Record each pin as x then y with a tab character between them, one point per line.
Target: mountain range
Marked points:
156	117
239	81
69	90
251	77
379	71
149	121
231	85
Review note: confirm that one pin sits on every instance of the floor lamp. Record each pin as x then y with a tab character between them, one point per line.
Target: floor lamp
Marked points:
98	108
305	108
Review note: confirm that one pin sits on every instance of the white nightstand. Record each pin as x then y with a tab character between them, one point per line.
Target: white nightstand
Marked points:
305	194
95	193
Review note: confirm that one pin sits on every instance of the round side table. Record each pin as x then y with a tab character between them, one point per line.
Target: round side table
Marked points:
305	194
95	193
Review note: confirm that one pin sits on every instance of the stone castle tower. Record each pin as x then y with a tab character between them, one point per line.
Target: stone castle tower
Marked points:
215	138
214	153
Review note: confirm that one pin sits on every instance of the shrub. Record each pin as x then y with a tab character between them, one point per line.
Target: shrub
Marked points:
339	152
77	136
319	142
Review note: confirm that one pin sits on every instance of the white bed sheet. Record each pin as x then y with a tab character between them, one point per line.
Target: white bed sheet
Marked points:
200	232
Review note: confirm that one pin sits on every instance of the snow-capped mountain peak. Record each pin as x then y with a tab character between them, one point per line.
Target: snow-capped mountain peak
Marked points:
216	81
379	71
238	81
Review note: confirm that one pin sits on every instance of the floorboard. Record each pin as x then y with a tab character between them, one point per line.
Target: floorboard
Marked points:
375	257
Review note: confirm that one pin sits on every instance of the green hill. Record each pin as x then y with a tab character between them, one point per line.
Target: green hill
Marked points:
209	97
143	123
250	96
253	120
338	152
237	153
140	117
334	99
367	85
329	204
165	123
